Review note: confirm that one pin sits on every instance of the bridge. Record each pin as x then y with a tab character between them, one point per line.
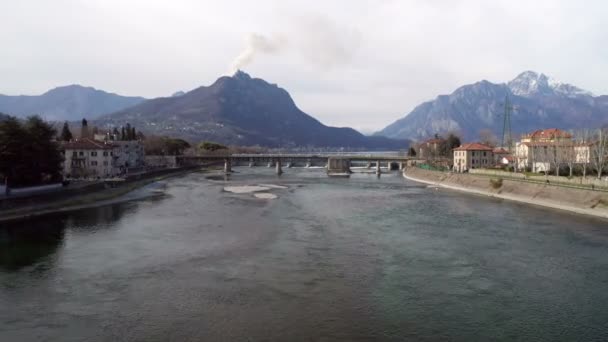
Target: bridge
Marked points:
336	164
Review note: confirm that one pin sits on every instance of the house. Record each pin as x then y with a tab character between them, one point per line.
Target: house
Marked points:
89	158
130	155
541	149
472	156
499	154
429	148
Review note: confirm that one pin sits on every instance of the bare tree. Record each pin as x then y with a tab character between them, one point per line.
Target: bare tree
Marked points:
582	147
599	150
487	137
569	156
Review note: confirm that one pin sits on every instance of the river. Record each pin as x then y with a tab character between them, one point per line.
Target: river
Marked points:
364	258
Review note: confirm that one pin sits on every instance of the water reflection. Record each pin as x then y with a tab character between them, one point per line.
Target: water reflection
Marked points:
36	240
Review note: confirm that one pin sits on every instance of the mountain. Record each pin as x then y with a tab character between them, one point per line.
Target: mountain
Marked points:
178	93
240	110
538	101
69	103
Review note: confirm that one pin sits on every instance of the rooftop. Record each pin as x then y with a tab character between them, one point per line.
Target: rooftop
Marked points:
549	133
86	144
473	147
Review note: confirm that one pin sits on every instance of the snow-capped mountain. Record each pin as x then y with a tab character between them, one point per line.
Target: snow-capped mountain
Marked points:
540	102
530	83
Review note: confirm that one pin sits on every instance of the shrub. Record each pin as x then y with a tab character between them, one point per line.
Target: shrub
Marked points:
496	183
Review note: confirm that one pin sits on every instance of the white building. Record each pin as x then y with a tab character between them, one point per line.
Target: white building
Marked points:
541	149
87	158
472	156
130	154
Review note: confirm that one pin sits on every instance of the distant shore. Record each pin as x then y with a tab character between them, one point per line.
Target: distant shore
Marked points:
585	202
86	200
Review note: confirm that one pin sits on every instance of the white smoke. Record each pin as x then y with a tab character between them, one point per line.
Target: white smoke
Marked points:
318	40
256	44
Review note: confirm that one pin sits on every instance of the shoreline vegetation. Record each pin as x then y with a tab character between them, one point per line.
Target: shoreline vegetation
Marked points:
580	201
87	200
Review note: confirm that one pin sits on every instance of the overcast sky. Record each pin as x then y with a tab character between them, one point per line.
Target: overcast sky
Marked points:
361	63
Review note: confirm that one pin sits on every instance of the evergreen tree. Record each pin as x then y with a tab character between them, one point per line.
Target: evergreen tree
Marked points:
42	153
84	130
122	133
66	134
12	139
28	153
412	152
127	132
133	134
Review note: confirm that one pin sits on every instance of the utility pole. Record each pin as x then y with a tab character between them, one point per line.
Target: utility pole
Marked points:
506	126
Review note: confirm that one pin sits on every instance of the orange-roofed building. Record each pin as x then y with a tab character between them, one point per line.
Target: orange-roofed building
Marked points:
472	156
548	135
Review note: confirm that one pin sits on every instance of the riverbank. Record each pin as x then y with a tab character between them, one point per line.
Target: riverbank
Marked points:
580	201
94	198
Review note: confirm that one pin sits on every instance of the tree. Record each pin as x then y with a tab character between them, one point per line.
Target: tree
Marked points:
28	152
84	130
42	152
115	134
123	135
211	146
582	146
133	134
12	138
487	137
447	145
411	152
66	134
599	151
176	147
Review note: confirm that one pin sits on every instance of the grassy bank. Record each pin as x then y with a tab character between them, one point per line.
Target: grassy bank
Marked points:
86	200
580	201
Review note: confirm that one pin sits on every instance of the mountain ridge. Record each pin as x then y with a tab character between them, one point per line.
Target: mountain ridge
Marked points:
539	102
67	103
241	110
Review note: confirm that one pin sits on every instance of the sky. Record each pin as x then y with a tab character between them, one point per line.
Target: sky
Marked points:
357	63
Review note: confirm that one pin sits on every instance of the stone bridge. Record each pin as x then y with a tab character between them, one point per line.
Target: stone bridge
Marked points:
336	164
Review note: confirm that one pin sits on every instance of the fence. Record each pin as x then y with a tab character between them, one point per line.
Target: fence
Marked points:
577	182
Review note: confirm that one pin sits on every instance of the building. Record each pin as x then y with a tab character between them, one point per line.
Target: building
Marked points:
87	158
472	156
130	155
499	154
543	150
429	148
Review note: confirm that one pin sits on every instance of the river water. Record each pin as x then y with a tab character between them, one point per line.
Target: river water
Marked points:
364	258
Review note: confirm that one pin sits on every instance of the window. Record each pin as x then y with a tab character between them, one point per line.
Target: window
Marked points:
105	153
93	153
93	163
484	154
81	153
105	163
74	153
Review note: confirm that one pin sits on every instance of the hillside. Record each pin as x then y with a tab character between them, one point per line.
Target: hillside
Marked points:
241	110
69	103
539	102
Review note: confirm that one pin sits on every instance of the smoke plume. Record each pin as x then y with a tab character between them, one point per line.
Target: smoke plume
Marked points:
257	44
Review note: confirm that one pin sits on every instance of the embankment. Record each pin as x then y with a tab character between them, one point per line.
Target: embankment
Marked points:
587	202
75	199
